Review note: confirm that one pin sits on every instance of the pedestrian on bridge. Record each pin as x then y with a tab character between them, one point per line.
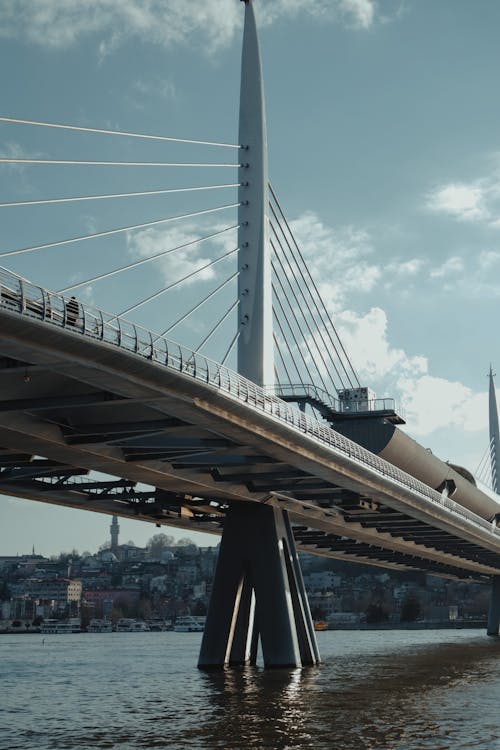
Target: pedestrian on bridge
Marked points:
72	311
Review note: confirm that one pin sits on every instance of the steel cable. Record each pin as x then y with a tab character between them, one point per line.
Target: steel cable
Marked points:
141	262
144	136
295	317
176	283
116	231
273	194
304	317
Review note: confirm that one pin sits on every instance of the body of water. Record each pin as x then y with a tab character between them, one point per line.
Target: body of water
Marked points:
383	690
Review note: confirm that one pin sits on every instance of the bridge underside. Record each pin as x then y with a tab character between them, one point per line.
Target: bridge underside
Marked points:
26	476
167	450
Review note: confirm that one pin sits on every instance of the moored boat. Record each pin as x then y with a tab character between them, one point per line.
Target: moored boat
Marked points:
130	625
99	626
59	627
320	625
189	624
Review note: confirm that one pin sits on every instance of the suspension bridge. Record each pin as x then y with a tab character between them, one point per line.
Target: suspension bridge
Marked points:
255	427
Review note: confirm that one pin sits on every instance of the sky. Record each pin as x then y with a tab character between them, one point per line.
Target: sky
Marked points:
384	149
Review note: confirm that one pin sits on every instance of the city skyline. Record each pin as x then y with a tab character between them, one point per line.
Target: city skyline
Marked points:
384	150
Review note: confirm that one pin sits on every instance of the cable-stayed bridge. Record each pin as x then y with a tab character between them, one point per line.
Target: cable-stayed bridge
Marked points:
282	448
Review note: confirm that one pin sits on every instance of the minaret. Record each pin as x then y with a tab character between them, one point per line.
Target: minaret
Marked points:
115	530
494	436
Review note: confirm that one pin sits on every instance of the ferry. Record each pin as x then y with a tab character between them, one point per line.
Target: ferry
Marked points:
99	626
320	625
59	627
189	624
129	625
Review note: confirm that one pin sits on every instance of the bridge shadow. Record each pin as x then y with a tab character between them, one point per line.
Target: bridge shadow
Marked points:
391	700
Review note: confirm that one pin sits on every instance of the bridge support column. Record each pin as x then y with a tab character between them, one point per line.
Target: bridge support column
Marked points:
258	592
494	610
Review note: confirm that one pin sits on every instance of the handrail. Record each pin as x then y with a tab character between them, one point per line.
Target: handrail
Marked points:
318	394
17	295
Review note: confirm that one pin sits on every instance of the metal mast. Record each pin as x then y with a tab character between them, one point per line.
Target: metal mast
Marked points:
255	343
494	435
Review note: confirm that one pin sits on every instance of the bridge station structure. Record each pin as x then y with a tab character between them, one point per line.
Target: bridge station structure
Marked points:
101	414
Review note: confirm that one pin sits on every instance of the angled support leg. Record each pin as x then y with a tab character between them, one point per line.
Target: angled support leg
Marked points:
494	610
258	591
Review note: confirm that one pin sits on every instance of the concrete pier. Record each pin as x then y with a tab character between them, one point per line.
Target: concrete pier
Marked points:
258	592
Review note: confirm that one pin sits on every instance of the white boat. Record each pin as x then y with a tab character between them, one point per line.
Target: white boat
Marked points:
129	625
99	626
59	627
189	624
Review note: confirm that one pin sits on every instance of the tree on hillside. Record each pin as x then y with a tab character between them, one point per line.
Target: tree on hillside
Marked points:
410	609
158	543
375	613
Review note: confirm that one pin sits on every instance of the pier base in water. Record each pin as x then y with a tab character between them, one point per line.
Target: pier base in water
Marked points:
494	610
258	592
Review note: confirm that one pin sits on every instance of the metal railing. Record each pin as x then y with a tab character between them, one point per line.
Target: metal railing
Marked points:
22	297
313	393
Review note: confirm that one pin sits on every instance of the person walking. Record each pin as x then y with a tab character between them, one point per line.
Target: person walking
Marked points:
72	311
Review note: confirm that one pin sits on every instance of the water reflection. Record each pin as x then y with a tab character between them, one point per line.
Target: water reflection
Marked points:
406	699
374	691
257	708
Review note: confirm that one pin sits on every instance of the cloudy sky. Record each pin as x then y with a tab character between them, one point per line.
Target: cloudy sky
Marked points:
384	149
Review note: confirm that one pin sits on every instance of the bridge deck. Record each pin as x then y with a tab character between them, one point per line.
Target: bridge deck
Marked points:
186	437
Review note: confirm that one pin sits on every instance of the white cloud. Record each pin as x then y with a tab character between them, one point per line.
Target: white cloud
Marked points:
430	403
405	268
369	347
488	259
164	88
336	257
433	403
466	202
59	24
13	150
475	201
362	12
186	260
142	89
358	14
475	276
339	259
454	265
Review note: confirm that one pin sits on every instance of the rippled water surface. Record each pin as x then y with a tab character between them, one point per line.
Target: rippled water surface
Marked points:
390	690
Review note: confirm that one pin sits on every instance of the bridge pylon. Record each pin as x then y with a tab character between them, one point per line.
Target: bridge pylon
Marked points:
494	609
255	342
494	434
258	588
258	591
